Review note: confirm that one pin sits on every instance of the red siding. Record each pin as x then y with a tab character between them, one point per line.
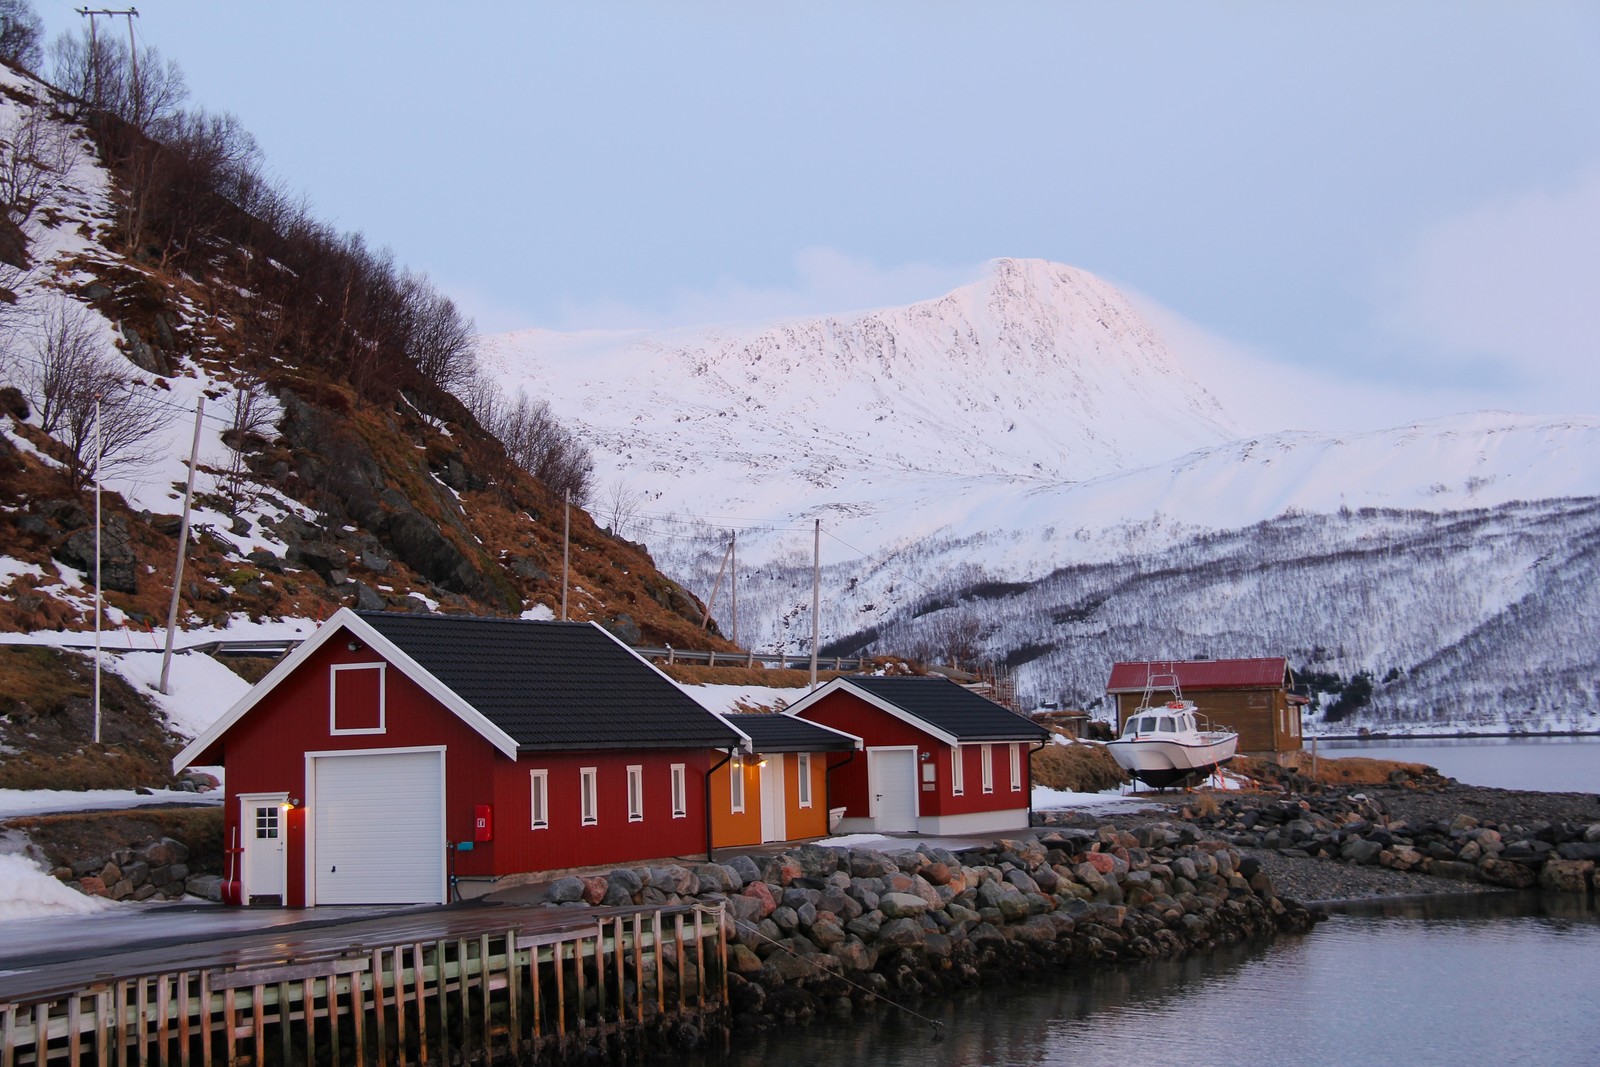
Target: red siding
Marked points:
878	729
265	752
612	839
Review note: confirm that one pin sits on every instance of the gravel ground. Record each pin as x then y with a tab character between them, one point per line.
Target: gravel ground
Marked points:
1322	881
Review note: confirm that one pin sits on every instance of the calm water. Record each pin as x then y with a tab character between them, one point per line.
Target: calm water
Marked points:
1501	979
1553	764
1483	980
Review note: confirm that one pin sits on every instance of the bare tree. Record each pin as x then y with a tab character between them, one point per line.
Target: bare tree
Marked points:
20	35
101	73
540	445
87	400
620	506
250	416
35	155
439	341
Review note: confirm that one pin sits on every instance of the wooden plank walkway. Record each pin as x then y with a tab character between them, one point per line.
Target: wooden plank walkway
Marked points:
468	985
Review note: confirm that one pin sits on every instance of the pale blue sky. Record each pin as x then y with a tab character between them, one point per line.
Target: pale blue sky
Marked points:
1406	192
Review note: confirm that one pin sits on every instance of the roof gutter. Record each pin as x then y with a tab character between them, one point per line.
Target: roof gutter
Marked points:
1036	748
714	769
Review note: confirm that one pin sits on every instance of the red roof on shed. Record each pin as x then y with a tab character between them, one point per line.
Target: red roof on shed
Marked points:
1203	674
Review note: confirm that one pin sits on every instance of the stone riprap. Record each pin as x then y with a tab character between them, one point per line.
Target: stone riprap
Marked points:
156	871
818	929
1551	845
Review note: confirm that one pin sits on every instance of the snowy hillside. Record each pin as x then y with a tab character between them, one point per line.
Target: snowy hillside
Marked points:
961	449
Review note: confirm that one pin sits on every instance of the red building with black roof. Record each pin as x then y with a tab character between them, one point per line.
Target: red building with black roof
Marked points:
389	747
938	758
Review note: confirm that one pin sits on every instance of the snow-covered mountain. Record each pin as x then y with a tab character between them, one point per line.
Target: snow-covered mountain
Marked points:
964	448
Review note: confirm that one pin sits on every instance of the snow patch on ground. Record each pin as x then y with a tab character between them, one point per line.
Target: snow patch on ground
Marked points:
28	892
1046	799
200	688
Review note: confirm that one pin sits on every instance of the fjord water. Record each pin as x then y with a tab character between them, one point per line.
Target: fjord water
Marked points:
1496	978
1548	764
1491	979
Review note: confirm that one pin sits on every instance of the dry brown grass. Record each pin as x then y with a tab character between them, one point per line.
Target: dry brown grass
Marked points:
1079	768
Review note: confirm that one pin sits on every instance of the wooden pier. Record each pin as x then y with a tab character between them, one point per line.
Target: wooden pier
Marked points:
488	985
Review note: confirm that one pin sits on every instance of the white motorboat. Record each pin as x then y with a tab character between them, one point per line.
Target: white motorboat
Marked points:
1163	744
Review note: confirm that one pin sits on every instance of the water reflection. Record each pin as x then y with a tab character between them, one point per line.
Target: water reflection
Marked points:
1463	980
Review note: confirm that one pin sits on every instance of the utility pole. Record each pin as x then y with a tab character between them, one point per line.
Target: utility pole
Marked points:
183	544
94	49
816	595
99	453
733	552
711	605
566	553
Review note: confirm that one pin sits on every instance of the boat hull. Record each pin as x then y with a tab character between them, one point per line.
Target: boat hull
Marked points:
1160	762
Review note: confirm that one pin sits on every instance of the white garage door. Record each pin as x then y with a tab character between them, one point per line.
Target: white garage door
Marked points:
379	828
892	778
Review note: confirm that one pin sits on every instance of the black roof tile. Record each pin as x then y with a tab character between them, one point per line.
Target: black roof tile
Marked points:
785	733
553	685
953	709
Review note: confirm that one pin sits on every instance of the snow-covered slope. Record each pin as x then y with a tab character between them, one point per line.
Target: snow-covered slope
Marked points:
960	450
1037	374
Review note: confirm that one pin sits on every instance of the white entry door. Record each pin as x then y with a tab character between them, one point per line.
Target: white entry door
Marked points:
892	783
773	820
264	864
378	827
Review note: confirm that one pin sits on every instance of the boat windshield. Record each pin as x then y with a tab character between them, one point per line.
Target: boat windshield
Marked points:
1139	725
1166	724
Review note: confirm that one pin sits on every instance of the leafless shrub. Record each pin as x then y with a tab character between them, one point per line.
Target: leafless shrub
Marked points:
439	341
35	155
101	72
86	400
250	415
619	508
539	445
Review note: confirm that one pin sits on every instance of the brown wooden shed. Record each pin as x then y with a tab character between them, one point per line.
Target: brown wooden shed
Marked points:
1250	696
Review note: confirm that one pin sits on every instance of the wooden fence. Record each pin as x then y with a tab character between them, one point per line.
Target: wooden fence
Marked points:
532	994
780	660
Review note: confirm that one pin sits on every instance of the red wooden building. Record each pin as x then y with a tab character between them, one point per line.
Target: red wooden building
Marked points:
390	747
938	759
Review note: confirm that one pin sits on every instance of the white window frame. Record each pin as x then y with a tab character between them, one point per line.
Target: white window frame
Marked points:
333	698
1016	767
958	773
680	791
736	784
539	799
636	793
588	796
803	778
986	763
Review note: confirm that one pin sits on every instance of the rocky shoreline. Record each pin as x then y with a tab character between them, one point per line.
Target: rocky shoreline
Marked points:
819	931
823	931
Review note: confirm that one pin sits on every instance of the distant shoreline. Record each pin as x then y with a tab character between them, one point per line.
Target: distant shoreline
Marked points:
1461	736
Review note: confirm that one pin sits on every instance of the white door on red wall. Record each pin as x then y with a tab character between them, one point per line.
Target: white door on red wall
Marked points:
892	788
263	822
773	823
